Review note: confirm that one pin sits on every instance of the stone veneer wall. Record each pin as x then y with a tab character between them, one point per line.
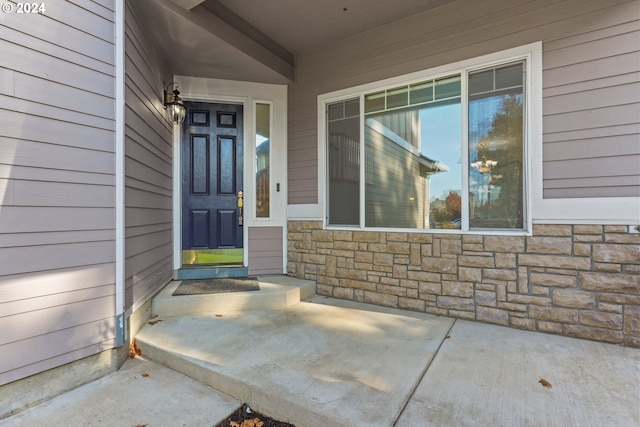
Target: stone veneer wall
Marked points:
575	280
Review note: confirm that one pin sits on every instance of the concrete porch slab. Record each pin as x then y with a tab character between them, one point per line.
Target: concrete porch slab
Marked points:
487	375
311	364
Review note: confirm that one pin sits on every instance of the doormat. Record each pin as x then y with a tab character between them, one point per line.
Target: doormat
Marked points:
217	286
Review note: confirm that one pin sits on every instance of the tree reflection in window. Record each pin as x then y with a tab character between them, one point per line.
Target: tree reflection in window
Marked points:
496	141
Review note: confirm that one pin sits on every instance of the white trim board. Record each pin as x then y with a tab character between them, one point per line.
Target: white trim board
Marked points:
602	210
120	236
305	212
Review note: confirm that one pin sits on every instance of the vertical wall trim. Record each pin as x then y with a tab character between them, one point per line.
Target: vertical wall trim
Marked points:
534	132
120	154
248	178
177	200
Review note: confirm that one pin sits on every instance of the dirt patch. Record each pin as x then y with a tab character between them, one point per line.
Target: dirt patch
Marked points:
245	417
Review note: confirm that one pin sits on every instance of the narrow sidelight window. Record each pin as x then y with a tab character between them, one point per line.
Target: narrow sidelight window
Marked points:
263	159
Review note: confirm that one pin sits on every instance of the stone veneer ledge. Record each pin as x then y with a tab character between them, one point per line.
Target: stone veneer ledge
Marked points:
574	280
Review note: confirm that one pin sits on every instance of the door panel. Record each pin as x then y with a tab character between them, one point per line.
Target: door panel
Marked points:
200	161
227	224
200	229
226	165
212	158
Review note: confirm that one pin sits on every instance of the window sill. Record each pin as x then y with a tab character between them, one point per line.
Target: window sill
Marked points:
490	232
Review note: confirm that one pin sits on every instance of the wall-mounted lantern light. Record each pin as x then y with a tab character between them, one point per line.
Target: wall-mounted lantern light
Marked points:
173	104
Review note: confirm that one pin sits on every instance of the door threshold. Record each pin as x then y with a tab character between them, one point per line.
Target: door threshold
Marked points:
187	273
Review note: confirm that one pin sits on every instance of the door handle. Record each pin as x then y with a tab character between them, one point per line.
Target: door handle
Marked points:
240	205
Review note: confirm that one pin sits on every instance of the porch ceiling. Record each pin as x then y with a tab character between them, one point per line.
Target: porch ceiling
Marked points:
258	40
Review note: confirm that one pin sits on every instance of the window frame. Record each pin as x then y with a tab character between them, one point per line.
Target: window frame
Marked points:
531	54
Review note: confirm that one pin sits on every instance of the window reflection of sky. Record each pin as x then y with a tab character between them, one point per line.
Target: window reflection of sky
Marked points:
260	140
441	128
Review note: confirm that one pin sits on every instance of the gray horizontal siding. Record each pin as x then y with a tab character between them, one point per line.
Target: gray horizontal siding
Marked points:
25	259
24	154
17	219
148	167
30	286
80	22
591	66
28	55
45	130
83	340
38	322
42	193
54	238
57	216
265	250
592	85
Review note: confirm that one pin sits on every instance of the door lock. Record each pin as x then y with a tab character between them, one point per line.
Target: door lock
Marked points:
240	205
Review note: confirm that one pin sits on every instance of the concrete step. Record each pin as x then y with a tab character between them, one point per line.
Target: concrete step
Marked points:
275	292
319	363
200	272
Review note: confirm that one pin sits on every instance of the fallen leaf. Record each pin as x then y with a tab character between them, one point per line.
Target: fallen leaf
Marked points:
545	383
447	337
154	322
218	315
134	350
234	424
145	375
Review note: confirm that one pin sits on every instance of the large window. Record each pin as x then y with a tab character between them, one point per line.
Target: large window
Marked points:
440	153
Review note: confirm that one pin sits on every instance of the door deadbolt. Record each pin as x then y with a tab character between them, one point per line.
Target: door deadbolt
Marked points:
240	205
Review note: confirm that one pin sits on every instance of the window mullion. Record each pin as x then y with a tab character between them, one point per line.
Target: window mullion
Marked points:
526	156
464	104
362	163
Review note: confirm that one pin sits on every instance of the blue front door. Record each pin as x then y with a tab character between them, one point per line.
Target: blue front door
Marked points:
212	158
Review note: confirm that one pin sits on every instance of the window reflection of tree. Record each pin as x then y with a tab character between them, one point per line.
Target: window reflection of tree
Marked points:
498	189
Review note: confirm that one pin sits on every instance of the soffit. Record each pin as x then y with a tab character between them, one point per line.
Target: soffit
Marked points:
257	41
301	25
190	49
